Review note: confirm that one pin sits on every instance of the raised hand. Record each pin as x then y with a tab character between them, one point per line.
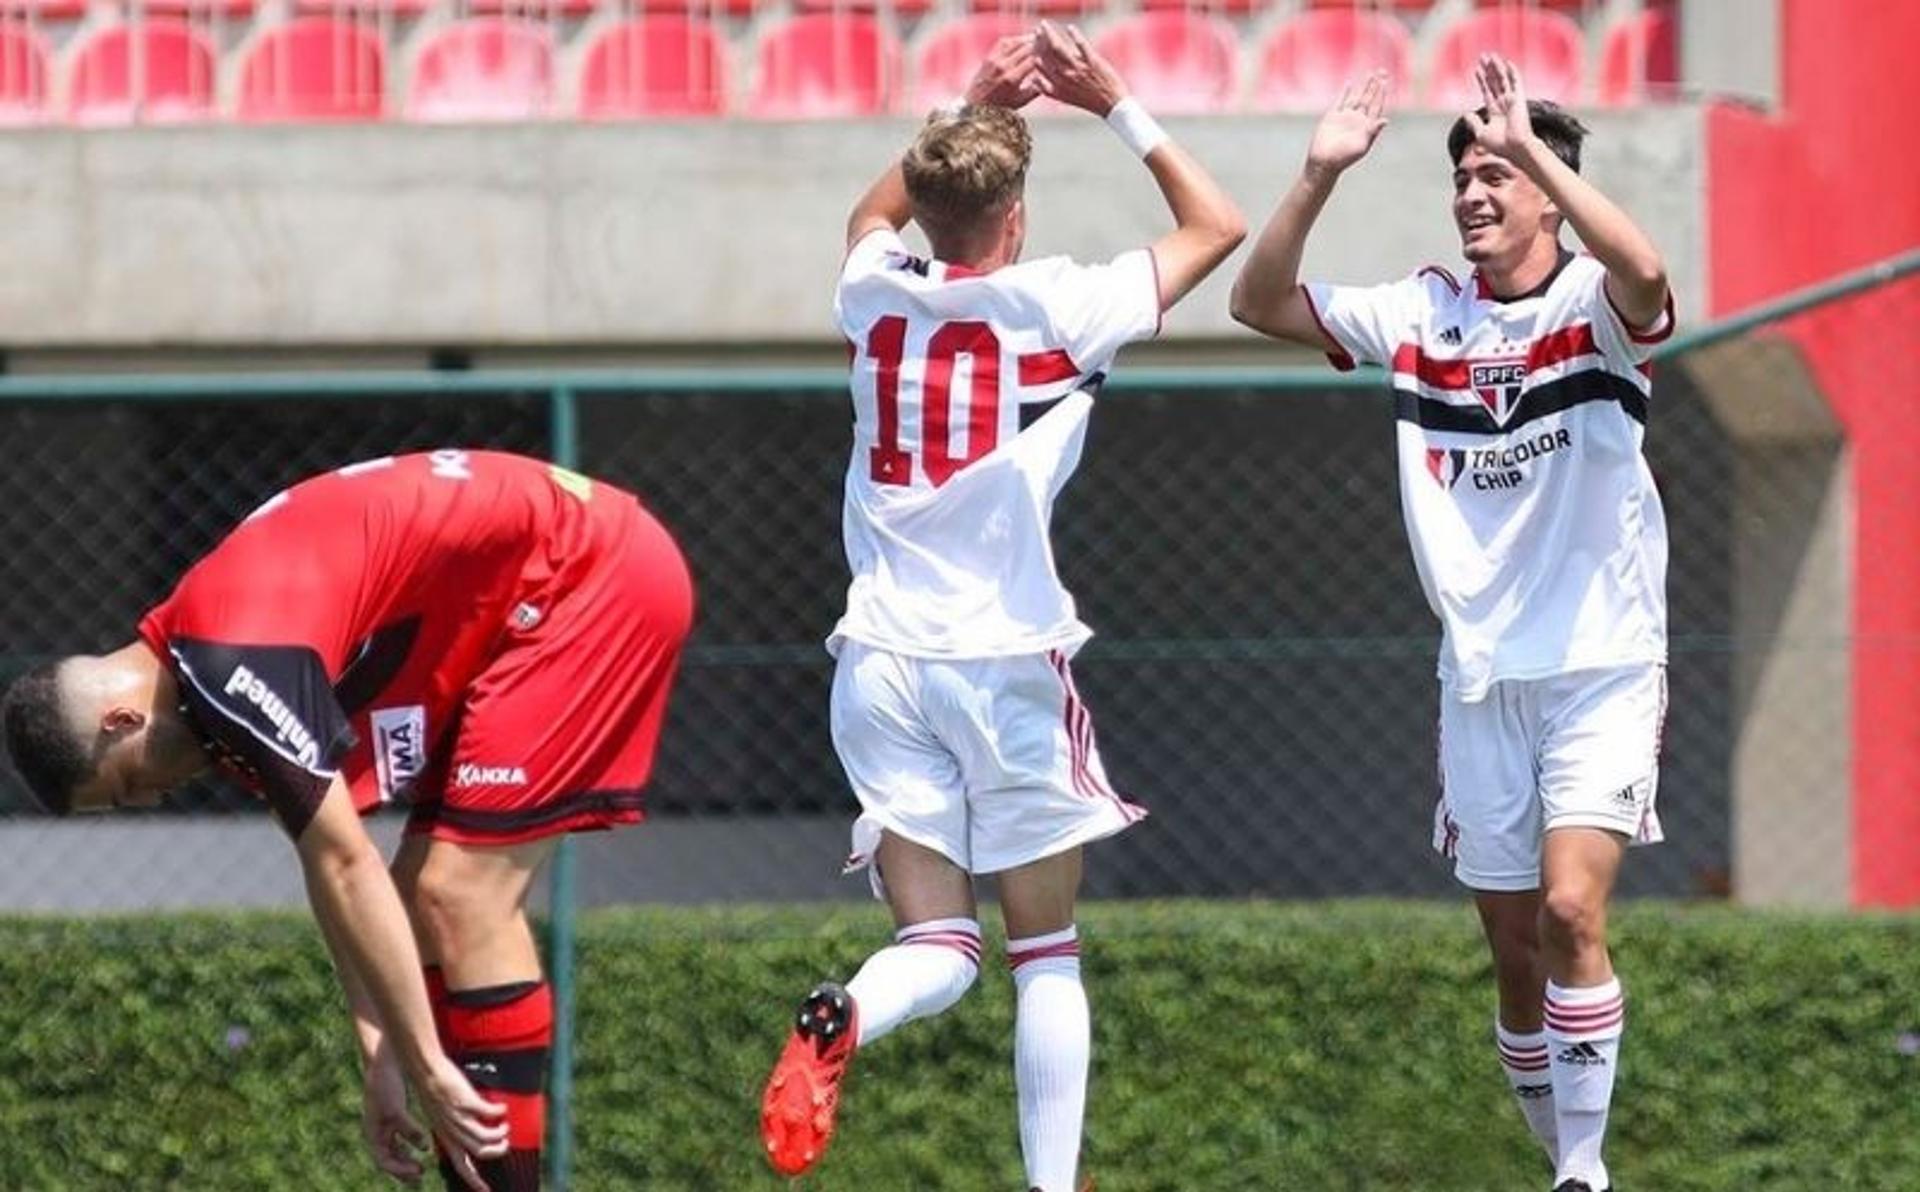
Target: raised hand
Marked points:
1351	126
1010	76
1508	125
1074	73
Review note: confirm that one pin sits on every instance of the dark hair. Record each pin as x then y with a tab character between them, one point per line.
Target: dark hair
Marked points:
1552	123
43	746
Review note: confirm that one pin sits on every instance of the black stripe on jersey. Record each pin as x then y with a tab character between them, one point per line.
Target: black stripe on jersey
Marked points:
375	664
1576	389
548	811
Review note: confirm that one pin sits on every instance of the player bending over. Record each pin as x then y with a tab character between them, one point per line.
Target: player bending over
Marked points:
954	712
1522	404
486	636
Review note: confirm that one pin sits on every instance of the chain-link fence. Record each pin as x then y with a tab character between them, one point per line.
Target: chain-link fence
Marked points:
1263	671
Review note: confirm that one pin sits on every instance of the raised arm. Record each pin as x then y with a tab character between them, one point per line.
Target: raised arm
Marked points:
365	925
1207	224
1267	295
1636	274
1008	78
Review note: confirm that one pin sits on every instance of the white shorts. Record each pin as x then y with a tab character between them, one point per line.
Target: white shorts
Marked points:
1575	750
990	761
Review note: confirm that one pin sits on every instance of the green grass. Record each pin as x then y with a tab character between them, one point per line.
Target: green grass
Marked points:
1250	1047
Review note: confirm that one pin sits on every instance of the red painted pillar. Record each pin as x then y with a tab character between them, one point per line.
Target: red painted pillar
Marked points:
1828	184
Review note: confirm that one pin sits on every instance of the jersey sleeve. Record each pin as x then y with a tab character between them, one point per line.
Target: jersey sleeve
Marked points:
1366	323
874	253
267	712
1617	339
1098	309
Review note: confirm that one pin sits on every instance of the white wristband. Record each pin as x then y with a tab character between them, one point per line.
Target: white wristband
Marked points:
1141	132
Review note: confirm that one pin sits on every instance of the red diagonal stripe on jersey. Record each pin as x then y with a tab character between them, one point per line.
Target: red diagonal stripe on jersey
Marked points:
1565	344
1047	368
1440	374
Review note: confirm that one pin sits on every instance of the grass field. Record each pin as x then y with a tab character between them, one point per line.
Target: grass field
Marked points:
1252	1047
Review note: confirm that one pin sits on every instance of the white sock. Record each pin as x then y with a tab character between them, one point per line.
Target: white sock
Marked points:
1529	1072
928	968
1052	1046
1583	1033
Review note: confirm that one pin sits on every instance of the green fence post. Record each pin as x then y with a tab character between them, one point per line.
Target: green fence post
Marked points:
565	449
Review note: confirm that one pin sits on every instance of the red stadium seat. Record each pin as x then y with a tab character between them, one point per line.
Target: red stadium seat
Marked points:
1309	60
190	8
1375	5
531	10
905	8
825	65
314	68
656	66
1228	8
1639	58
347	10
23	76
1175	62
483	69
1033	10
1573	8
946	61
176	67
697	8
1546	47
43	10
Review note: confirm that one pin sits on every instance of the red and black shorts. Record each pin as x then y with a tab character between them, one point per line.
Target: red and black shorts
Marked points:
557	731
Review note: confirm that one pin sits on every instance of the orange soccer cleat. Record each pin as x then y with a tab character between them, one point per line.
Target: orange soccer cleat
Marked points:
803	1094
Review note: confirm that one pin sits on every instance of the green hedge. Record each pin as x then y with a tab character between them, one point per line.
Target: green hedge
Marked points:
1258	1047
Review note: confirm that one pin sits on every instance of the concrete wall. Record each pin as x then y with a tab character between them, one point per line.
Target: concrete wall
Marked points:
636	236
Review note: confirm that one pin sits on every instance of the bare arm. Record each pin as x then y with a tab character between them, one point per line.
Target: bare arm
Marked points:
883	206
394	1140
1267	295
1207	224
364	923
1008	78
1636	274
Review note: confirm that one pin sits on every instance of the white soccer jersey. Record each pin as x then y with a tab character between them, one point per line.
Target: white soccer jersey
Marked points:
948	500
1535	524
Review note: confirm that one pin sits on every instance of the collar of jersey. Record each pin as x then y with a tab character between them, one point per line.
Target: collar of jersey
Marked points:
1485	292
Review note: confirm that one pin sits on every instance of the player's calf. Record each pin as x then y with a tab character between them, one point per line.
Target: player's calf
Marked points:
1053	1042
500	1036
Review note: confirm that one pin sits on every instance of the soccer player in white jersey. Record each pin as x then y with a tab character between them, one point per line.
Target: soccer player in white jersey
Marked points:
1522	397
953	709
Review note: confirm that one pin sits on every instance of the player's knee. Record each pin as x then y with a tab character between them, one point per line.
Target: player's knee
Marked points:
1573	918
451	913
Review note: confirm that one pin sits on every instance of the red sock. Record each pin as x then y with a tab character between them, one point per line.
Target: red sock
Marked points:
500	1036
437	999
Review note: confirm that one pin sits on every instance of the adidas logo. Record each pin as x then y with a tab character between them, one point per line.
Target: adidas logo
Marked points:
1581	1055
1533	1092
1450	335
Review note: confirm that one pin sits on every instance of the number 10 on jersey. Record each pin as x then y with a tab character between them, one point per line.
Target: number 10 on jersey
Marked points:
887	344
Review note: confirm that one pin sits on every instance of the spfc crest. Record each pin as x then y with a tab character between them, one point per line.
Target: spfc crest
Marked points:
1497	383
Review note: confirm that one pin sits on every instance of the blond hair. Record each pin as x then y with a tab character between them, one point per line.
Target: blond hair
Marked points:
966	167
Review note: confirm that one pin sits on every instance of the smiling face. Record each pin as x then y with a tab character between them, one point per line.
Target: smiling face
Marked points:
1500	213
